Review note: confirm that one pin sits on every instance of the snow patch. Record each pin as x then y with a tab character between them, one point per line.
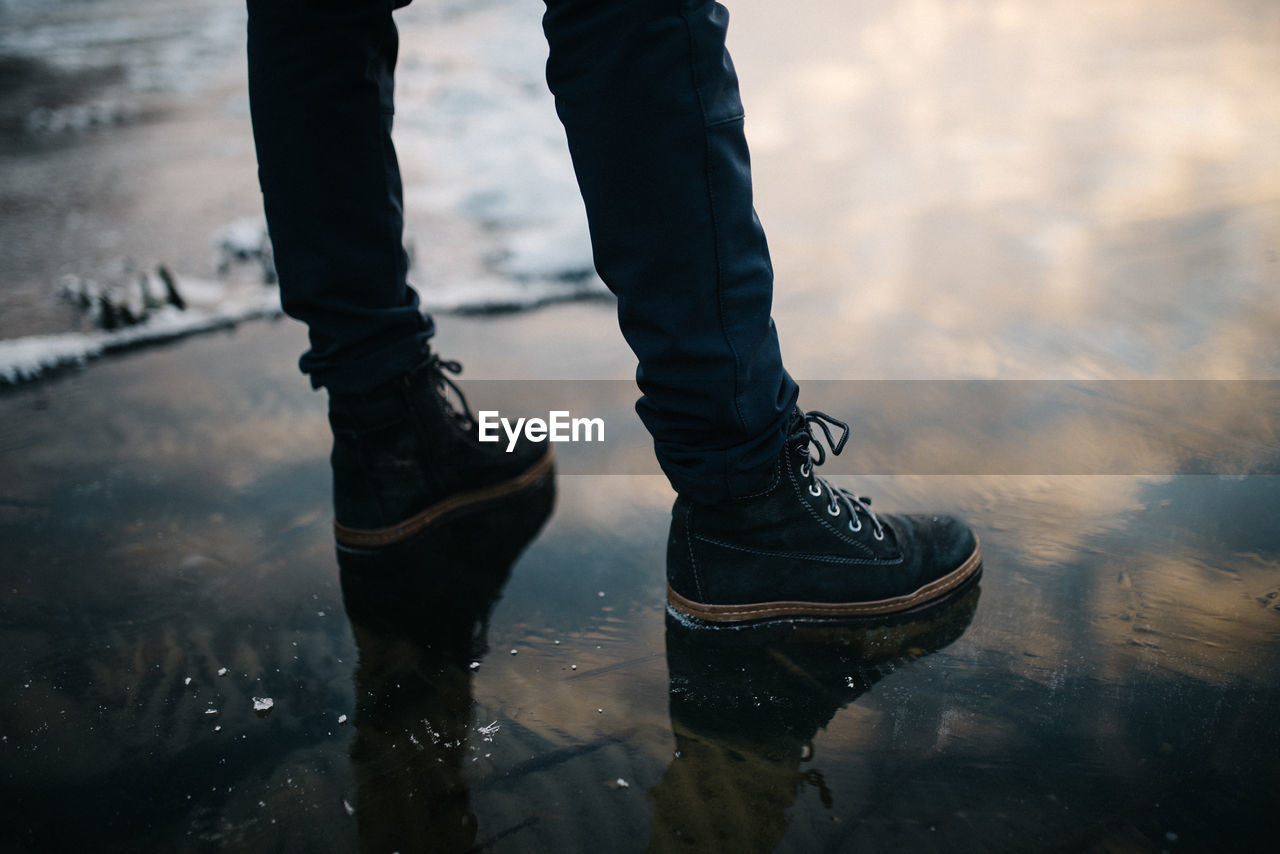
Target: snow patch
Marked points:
28	358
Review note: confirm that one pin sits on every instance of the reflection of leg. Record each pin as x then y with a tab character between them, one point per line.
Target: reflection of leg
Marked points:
649	100
413	717
744	713
420	617
746	706
320	85
716	798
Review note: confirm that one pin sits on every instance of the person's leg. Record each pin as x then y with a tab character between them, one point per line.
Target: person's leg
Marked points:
650	105
405	452
320	87
649	101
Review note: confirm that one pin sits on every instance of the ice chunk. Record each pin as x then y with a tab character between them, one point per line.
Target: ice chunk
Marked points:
27	358
262	705
242	239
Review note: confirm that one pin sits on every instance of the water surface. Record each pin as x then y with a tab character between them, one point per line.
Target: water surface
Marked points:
1109	682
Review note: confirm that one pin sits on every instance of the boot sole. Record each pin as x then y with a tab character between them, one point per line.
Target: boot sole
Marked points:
779	610
472	499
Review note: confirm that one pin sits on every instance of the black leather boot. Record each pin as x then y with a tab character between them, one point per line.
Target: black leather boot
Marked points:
802	548
405	457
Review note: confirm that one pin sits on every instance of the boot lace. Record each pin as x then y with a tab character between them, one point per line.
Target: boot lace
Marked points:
841	500
461	411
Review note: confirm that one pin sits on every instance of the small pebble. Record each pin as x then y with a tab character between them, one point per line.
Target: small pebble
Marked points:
222	671
475	665
599	711
623	784
342	719
514	651
186	681
573	667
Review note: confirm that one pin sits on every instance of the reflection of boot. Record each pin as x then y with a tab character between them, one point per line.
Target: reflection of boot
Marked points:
746	704
802	547
419	623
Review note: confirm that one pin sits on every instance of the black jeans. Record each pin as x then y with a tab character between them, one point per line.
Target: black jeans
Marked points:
649	101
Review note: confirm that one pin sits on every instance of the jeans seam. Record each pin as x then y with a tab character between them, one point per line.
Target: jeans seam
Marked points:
817	557
380	116
732	120
715	226
693	562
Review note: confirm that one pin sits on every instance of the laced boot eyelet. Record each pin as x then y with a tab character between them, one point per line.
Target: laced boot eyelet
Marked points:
851	526
833	509
879	534
805	469
815	490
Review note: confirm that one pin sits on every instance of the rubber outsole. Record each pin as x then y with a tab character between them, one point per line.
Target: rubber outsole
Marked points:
780	610
462	501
